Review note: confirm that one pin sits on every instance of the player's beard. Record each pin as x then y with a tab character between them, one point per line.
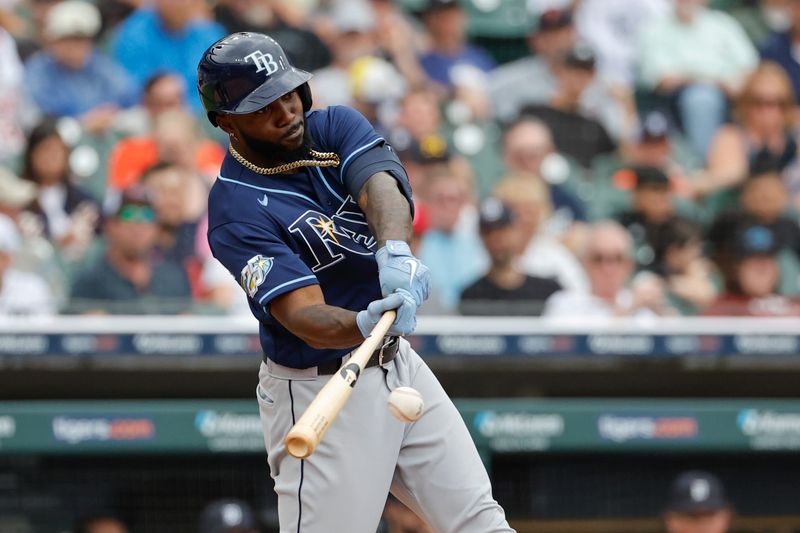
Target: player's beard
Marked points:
277	153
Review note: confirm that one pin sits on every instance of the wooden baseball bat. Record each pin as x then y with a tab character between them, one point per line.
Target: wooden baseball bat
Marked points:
306	434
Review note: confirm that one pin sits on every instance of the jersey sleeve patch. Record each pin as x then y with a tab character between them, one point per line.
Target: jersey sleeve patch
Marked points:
263	265
255	273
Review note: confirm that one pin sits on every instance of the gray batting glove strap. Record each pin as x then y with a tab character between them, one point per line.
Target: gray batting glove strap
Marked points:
404	323
399	269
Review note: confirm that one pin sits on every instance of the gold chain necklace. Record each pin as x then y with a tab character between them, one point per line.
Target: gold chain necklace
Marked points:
322	159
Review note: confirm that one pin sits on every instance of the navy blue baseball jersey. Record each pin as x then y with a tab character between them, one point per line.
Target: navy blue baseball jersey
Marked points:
277	233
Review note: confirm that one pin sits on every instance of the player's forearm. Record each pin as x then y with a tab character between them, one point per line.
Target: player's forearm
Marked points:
325	326
386	208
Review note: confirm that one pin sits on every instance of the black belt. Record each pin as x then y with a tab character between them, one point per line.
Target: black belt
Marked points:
389	350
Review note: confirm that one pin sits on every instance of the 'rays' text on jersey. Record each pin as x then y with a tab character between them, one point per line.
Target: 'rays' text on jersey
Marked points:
327	237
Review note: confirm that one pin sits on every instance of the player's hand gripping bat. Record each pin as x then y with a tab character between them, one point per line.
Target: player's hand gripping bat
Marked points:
306	434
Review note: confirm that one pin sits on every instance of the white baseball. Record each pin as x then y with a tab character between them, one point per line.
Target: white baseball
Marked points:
406	404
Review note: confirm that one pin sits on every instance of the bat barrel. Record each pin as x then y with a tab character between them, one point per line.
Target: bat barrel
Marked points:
301	441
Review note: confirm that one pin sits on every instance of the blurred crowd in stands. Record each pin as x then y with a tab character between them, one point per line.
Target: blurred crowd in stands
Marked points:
568	157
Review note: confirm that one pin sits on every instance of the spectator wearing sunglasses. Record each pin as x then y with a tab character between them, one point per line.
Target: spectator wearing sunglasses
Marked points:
760	139
127	279
607	258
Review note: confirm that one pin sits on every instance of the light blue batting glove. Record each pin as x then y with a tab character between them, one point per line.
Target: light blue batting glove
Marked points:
399	269
404	323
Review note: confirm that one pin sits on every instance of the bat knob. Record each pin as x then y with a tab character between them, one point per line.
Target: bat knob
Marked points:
301	441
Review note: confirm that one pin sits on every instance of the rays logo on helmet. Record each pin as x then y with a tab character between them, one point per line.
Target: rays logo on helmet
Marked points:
254	273
263	61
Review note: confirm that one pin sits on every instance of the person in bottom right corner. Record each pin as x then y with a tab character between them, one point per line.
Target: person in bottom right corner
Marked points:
697	504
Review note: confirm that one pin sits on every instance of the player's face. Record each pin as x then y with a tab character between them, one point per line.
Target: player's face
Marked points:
278	127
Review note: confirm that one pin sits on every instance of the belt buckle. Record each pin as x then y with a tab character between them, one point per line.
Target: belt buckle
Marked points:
386	342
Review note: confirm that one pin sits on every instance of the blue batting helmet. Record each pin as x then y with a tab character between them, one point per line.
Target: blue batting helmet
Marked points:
245	72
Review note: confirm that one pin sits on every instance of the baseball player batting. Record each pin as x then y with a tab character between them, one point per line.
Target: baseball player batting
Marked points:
312	213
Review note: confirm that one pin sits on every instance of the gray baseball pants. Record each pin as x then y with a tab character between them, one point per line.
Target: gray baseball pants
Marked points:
430	465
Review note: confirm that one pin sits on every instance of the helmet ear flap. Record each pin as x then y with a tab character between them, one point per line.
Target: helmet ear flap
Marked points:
305	96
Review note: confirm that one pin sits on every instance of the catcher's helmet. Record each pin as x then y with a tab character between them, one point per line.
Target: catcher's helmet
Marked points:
245	72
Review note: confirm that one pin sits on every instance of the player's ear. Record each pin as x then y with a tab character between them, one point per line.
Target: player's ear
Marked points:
225	122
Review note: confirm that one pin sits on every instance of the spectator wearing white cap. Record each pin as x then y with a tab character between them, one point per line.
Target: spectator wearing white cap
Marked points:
21	293
68	77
